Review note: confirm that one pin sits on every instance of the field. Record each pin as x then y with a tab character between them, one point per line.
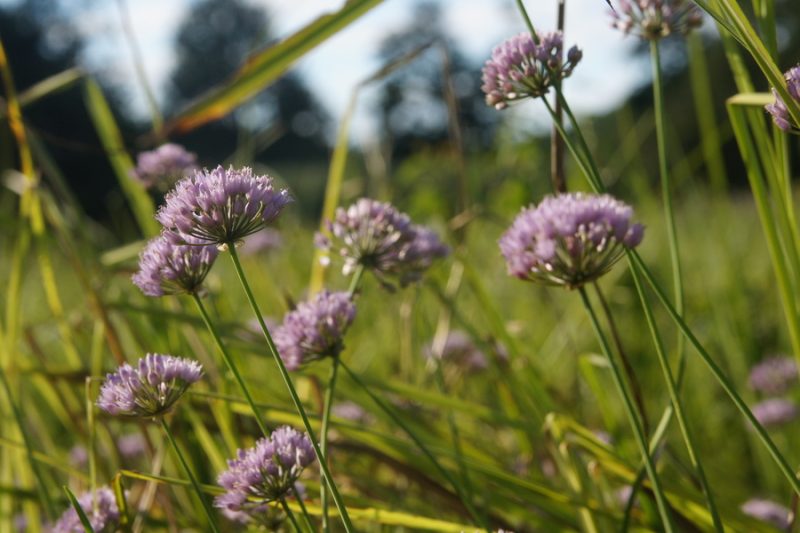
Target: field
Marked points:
616	398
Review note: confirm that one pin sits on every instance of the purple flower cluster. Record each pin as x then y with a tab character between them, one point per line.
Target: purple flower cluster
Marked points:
164	165
384	240
265	472
654	19
166	267
768	511
315	329
461	352
221	206
774	375
523	68
103	519
149	389
569	239
775	412
778	110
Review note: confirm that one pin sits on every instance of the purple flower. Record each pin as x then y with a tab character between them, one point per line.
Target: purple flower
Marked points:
767	511
131	445
773	375
166	267
315	329
164	165
521	68
149	389
775	412
569	239
654	19
103	519
459	351
265	472
78	455
382	239
351	411
221	206
778	109
262	241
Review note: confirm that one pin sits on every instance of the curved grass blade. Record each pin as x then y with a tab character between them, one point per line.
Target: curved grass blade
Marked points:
87	526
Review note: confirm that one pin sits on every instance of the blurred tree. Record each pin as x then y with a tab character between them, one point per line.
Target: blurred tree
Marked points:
40	42
285	122
413	109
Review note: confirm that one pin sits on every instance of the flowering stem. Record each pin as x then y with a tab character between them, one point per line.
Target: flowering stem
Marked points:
302	505
397	420
337	498
326	409
209	512
723	380
229	362
666	189
326	416
626	363
676	402
290	515
630	409
524	13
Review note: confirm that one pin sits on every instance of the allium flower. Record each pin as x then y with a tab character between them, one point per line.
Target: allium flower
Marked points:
262	241
78	455
104	519
521	68
131	445
461	352
166	267
265	472
569	239
222	206
778	109
315	329
164	165
768	511
773	375
149	389
654	19
384	240
351	411
775	412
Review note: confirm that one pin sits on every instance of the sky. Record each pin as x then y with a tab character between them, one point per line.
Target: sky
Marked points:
605	77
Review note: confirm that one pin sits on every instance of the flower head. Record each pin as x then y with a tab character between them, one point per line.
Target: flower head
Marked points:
164	166
265	472
459	351
131	445
778	110
315	329
768	511
654	19
221	206
380	238
150	388
569	239
523	68
103	519
775	412
167	267
773	375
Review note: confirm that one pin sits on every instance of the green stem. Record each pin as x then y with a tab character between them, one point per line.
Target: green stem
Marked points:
209	512
622	388
337	498
597	183
301	503
326	416
528	23
666	188
290	515
583	161
230	364
91	444
723	380
676	402
399	421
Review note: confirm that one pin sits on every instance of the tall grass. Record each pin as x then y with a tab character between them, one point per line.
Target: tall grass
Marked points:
531	441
